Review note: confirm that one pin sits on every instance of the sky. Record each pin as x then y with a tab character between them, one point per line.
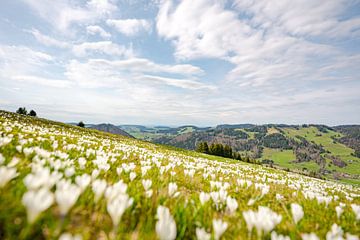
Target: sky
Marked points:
201	62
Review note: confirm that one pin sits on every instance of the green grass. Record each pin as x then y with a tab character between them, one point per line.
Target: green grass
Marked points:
57	147
312	134
285	159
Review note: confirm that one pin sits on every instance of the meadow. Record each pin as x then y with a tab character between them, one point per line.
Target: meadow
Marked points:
63	182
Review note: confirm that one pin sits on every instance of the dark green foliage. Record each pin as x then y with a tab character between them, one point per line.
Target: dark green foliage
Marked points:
351	138
237	156
202	147
357	153
81	124
276	140
22	110
221	150
228	151
259	129
32	113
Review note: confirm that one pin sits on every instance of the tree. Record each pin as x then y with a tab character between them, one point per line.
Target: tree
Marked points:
202	147
237	156
81	124
228	151
22	110
206	147
32	113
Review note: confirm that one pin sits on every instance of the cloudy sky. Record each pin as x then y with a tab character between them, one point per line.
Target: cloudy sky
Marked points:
200	62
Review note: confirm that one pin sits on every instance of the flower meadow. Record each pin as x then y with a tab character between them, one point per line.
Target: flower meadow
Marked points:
63	182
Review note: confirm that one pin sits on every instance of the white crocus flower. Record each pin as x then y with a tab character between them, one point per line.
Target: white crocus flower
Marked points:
69	236
172	190
4	141
231	204
356	210
275	236
204	197
264	219
18	148
14	161
83	181
165	226
82	162
297	212
117	206
351	237
339	210
219	228
251	201
201	234
132	176
147	185
66	195
98	187
95	173
39	178
279	197
69	171
335	233
37	201
309	236
113	191
119	170
6	175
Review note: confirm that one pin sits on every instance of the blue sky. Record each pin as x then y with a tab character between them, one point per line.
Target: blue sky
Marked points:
202	62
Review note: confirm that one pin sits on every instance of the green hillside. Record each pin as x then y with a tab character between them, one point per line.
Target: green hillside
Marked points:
61	181
312	149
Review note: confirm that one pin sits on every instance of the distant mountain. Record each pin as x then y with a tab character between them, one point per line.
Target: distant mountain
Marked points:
106	127
233	126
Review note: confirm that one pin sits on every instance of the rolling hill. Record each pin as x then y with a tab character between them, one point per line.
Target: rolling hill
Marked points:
106	127
331	152
59	181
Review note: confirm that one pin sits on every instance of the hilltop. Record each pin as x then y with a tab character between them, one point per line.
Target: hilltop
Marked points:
59	180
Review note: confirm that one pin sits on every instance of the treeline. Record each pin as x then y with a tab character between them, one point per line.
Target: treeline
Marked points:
219	149
23	111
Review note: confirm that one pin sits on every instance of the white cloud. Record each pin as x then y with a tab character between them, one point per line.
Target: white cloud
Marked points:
62	14
302	17
130	27
22	64
145	65
103	47
263	44
49	41
56	83
114	74
94	29
20	59
202	29
176	82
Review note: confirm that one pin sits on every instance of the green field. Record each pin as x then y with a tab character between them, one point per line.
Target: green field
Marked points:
285	158
60	181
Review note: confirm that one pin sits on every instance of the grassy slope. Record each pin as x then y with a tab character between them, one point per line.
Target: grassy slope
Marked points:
312	134
91	219
284	159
